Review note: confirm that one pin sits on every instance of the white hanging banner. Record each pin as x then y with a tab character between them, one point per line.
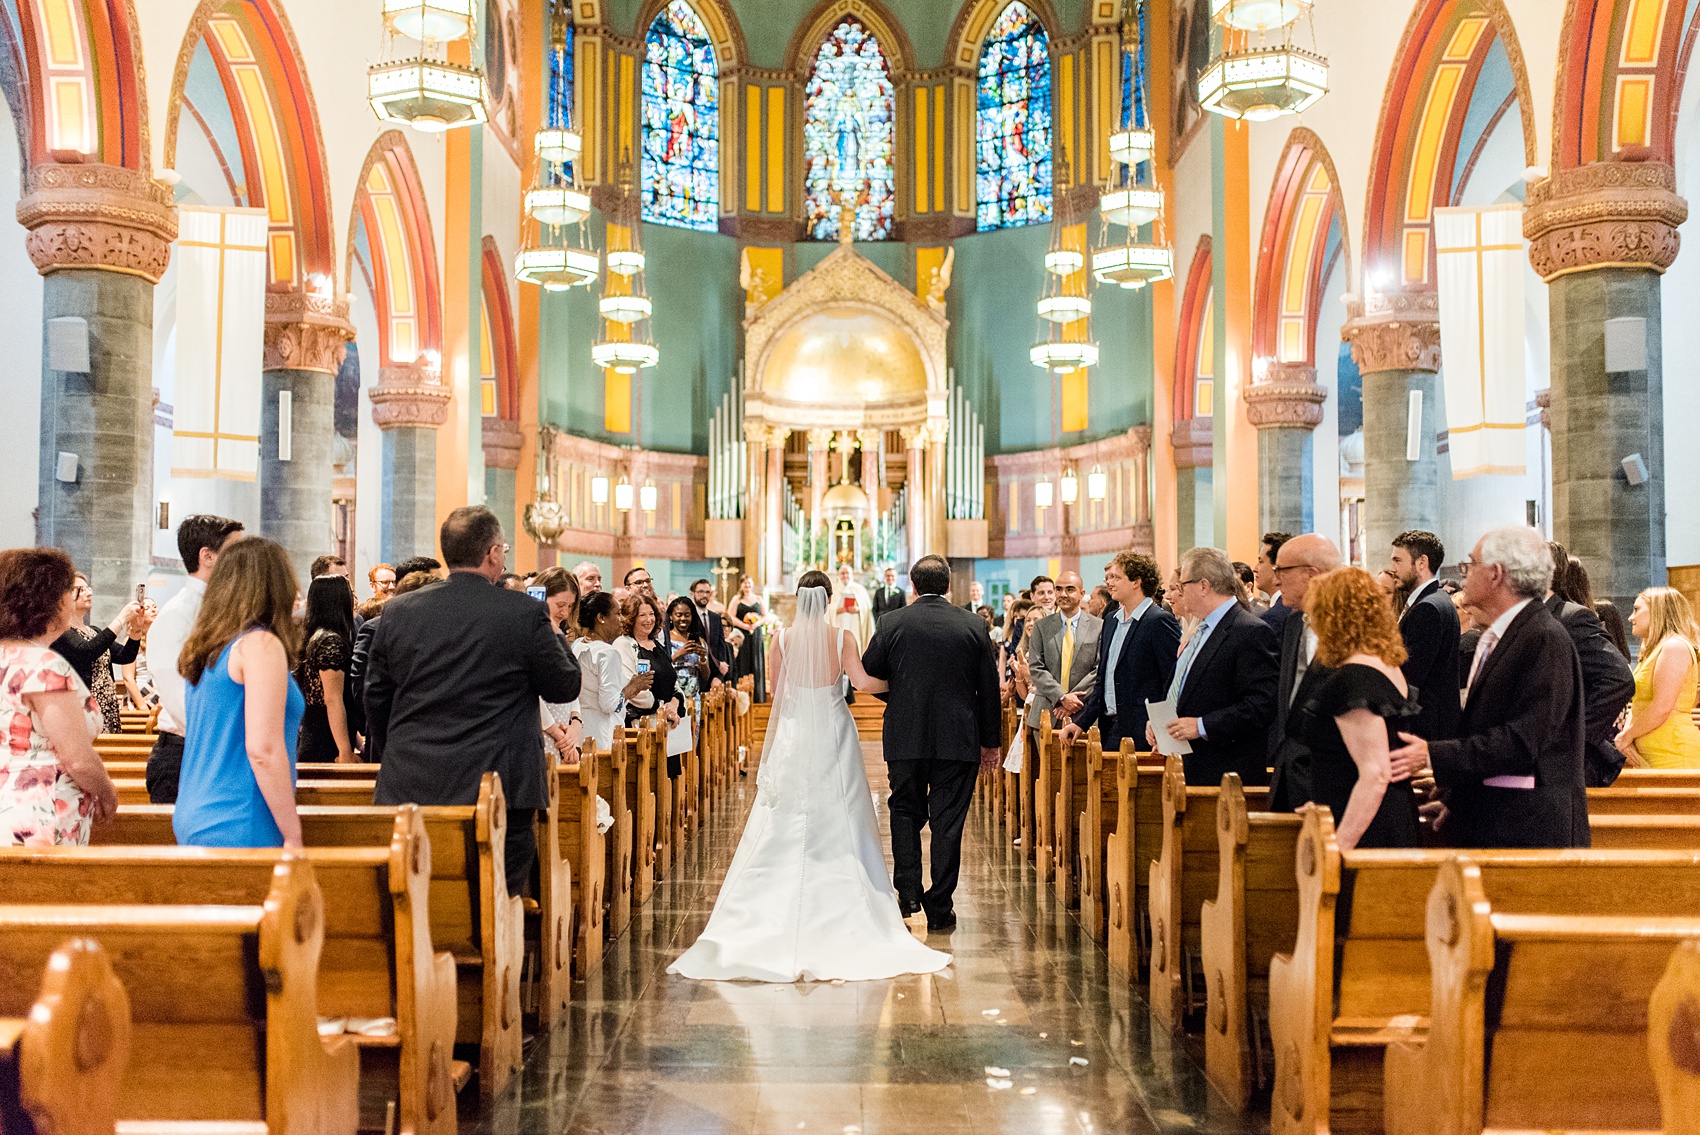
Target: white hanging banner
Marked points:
1481	264
221	316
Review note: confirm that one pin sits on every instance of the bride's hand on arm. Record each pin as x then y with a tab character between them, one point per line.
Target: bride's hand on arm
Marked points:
852	663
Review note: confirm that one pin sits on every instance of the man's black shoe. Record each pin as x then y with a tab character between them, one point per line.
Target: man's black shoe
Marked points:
942	925
909	907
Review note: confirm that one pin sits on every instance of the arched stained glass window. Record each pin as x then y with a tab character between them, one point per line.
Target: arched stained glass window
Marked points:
1013	126
681	122
849	134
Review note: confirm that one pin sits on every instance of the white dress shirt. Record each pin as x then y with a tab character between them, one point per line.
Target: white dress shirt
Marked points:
600	703
1118	639
170	630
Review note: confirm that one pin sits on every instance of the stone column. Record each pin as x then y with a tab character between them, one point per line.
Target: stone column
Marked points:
1285	408
870	443
1395	338
756	489
306	338
916	522
1194	443
409	403
938	531
101	237
773	537
504	441
1600	236
820	452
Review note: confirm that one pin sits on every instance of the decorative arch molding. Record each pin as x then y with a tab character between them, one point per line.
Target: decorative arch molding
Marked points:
283	149
1304	203
1621	70
721	23
1195	301
1423	112
389	198
498	309
79	83
975	19
813	29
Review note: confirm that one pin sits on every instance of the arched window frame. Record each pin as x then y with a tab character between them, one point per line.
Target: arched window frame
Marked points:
699	207
994	206
876	204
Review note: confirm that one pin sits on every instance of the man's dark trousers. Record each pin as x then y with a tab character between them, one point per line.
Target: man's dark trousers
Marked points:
937	794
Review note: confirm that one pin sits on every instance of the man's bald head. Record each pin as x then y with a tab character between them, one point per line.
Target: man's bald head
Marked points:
1070	591
1301	560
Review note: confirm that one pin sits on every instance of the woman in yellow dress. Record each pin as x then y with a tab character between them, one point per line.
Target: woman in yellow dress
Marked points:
1661	730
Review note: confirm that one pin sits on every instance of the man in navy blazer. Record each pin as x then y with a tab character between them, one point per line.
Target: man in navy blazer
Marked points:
1136	655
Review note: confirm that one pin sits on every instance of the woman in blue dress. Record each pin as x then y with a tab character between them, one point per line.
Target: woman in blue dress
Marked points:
244	708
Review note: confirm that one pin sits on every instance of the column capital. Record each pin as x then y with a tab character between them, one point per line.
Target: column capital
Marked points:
405	396
1618	214
914	437
1287	397
93	215
1194	441
935	431
1394	331
305	331
870	439
504	441
820	439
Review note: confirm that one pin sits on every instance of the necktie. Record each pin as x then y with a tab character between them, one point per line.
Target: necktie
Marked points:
1483	649
1068	651
1185	663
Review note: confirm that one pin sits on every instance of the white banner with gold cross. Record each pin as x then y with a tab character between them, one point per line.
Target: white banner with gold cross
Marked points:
221	316
1481	264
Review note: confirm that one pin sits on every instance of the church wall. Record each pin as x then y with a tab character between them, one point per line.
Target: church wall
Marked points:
20	380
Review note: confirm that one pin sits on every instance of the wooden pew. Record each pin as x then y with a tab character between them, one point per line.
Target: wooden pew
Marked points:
63	1059
640	791
583	847
665	815
1041	751
223	1007
377	960
1068	804
1128	854
1358	978
1673	1040
472	915
1097	823
1638	801
124	746
1538	1021
612	786
1012	820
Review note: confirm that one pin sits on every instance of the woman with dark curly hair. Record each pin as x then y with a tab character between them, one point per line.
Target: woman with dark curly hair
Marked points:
52	783
1351	720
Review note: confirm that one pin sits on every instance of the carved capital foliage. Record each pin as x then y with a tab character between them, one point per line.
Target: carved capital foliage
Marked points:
1287	397
504	441
92	215
820	439
1394	331
1604	215
1194	442
409	396
307	332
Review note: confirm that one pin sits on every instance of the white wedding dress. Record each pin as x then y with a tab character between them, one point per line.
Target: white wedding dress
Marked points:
808	896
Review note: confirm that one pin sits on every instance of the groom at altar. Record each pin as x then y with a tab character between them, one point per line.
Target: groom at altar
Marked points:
853	608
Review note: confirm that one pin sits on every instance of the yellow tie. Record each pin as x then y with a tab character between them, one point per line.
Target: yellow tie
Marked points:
1068	651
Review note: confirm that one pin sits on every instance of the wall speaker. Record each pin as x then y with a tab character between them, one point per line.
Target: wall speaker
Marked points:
1626	344
65	470
1635	469
68	344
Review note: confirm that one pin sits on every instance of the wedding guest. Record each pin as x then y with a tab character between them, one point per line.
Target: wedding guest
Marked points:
512	581
1661	731
1099	601
589	578
327	728
641	646
1350	719
1279	609
976	593
713	630
688	650
563	722
52	783
751	659
991	625
1043	592
561	596
1428	625
1608	685
92	653
1301	561
1062	652
382	579
889	597
1136	655
327	565
1251	596
606	689
244	711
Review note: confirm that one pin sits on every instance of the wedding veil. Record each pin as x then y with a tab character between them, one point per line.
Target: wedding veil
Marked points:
796	730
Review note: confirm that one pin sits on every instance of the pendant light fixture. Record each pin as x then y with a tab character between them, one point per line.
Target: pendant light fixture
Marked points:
1065	309
624	346
415	84
1261	81
556	252
1134	201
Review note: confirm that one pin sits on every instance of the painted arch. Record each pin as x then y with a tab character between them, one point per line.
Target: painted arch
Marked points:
1295	254
828	14
1621	65
400	253
75	80
279	161
1458	71
974	21
1195	343
498	350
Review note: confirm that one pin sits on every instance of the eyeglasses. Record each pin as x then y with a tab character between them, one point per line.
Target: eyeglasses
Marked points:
639	582
1293	567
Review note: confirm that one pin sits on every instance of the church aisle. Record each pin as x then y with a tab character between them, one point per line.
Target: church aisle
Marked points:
1029	1001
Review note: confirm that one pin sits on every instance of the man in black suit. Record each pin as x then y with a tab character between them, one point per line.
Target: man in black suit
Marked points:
1608	683
1136	647
942	725
1513	777
1224	683
1300	560
713	630
1429	626
976	596
1280	608
888	597
452	686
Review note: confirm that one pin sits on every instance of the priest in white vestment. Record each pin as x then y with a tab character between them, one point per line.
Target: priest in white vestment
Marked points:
853	608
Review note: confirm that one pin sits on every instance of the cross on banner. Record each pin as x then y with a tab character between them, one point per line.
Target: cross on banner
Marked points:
1481	269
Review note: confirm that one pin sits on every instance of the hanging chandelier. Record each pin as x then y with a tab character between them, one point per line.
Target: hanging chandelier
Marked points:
1137	201
416	84
555	267
1066	307
1133	205
624	346
557	144
1133	145
556	204
1063	357
1133	263
552	254
1259	83
1064	261
441	21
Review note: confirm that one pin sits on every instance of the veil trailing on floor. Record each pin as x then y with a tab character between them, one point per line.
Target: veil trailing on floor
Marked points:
809	669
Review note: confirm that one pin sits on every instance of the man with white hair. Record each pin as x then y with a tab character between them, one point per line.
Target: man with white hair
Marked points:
1513	777
589	578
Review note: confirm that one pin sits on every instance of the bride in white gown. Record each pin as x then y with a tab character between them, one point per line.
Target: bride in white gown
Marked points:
808	896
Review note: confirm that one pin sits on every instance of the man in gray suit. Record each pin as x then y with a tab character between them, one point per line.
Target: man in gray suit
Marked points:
1062	655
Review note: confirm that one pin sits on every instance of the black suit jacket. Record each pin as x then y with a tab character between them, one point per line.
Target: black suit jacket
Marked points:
714	634
1230	687
1524	718
887	600
452	685
1143	671
943	702
1278	615
1290	781
1608	684
1430	630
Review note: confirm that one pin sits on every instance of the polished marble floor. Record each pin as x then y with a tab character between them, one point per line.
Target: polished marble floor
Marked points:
1028	1032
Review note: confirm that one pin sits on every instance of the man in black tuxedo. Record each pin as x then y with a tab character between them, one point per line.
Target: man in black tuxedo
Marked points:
1513	776
1224	683
1136	650
888	597
1280	607
452	686
942	725
1429	626
713	630
1300	560
1608	683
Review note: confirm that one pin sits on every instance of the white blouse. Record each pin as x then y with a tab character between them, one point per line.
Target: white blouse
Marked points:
603	677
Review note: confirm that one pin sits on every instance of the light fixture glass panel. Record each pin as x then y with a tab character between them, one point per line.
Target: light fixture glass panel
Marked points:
558	145
624	309
440	21
1097	485
1133	265
426	94
1042	494
1070	486
1133	206
623	495
625	261
599	490
1130	147
1064	261
557	205
1258	15
555	268
1263	83
1065	309
1064	358
648	497
623	355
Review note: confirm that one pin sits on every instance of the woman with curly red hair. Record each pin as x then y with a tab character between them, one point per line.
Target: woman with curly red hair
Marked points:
1350	720
52	783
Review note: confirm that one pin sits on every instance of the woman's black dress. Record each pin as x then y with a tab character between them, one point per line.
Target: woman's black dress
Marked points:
326	650
1333	772
93	654
752	659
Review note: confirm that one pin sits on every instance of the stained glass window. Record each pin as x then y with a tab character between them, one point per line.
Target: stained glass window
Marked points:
1013	126
681	123
849	135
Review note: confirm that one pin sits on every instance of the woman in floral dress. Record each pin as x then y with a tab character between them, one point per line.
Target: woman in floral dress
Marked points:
52	783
